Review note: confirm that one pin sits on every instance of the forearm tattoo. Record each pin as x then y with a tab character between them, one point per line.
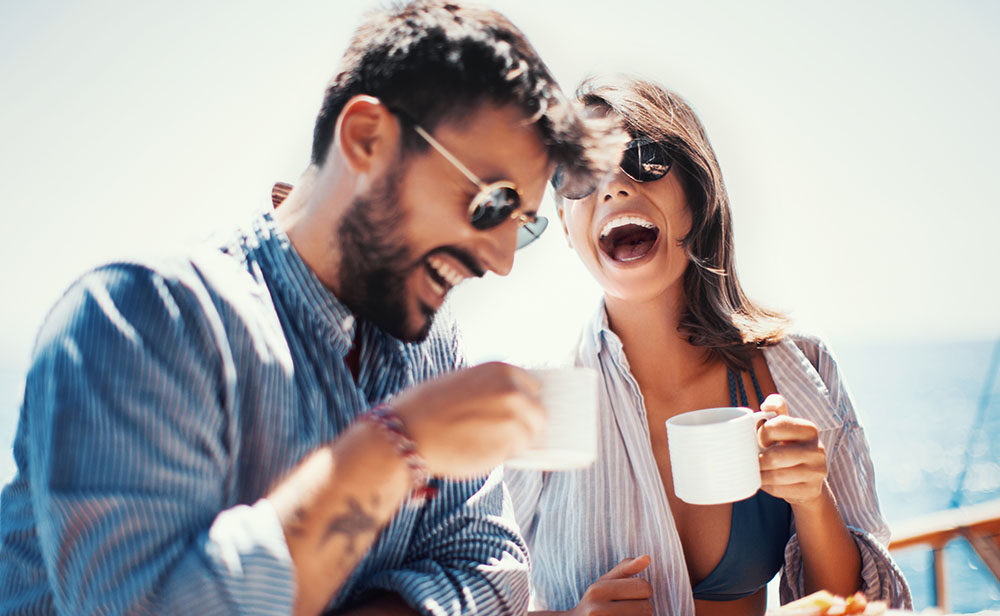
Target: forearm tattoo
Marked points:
350	524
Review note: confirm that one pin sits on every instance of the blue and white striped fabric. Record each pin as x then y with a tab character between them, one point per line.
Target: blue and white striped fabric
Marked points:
580	524
163	403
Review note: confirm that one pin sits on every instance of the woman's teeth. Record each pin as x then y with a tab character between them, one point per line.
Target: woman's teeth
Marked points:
621	221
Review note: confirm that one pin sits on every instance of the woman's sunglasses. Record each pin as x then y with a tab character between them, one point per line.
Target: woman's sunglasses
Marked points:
644	160
495	203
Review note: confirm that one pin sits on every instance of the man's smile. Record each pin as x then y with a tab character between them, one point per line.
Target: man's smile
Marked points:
446	272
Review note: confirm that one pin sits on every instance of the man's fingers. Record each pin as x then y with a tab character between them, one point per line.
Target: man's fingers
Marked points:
627	568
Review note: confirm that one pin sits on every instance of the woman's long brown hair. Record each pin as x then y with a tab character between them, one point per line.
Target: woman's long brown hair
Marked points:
718	315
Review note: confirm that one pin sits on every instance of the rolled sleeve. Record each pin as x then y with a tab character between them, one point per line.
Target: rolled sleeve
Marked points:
467	556
881	578
241	565
851	476
129	442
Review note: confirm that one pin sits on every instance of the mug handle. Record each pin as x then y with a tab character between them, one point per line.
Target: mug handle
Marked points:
761	417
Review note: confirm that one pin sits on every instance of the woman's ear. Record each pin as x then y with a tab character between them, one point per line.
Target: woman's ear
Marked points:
560	208
366	130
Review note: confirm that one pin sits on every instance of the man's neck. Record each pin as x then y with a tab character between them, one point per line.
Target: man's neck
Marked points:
309	217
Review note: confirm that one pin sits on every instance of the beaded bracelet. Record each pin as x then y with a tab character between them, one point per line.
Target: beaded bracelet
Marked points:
386	418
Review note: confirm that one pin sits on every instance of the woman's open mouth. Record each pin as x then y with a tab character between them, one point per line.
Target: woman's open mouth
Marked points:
628	238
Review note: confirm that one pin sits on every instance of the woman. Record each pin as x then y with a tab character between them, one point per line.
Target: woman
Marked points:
675	332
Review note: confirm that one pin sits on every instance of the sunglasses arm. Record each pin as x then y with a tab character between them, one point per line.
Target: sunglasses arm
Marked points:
443	152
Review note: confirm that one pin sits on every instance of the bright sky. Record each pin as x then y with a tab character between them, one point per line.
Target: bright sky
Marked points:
858	140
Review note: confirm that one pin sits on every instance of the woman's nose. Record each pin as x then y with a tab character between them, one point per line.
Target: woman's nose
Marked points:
616	186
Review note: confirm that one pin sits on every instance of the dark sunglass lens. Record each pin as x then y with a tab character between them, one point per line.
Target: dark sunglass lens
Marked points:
645	162
569	187
494	207
530	231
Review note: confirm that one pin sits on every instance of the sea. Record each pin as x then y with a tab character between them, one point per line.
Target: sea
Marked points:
934	436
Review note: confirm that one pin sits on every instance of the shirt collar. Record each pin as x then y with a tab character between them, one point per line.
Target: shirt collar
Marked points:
796	378
315	301
601	335
299	285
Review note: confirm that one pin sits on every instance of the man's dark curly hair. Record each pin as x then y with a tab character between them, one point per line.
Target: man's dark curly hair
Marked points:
438	60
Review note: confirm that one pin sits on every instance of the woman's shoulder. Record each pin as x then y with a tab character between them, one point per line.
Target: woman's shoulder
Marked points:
807	357
813	346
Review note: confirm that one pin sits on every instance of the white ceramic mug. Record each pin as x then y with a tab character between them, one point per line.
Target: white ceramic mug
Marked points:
569	440
713	454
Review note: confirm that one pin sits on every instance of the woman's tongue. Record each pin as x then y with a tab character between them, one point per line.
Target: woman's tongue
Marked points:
629	243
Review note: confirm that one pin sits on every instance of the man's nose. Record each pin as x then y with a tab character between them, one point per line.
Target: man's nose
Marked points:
496	247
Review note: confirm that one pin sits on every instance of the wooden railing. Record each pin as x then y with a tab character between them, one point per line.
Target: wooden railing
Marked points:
977	524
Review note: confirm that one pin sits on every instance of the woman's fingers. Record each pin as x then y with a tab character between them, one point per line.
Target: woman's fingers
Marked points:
627	568
617	592
794	472
809	456
624	608
774	403
787	429
792	460
625	589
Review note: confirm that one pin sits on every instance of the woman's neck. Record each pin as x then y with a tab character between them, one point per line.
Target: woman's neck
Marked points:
657	353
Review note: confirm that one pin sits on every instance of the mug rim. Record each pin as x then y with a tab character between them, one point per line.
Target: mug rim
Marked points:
683	420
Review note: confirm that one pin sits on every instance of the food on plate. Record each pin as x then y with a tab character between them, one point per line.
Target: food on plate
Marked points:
823	603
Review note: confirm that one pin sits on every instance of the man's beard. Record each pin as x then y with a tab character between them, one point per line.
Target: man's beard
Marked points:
376	262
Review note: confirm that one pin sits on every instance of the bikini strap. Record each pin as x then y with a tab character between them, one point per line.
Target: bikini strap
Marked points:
738	393
736	388
756	387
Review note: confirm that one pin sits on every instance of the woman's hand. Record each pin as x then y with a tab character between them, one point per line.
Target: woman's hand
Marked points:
793	460
617	592
793	467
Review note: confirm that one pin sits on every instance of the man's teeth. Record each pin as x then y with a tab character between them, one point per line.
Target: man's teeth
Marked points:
450	274
437	288
621	221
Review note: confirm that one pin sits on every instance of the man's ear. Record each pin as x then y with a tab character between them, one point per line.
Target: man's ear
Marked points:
366	130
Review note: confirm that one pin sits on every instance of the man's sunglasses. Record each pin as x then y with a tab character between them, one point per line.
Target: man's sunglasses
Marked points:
495	203
644	160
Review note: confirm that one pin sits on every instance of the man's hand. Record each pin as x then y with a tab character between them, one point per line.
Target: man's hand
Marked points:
334	503
618	592
469	421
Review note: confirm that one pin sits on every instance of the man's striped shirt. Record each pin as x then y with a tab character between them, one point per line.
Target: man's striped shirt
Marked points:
164	401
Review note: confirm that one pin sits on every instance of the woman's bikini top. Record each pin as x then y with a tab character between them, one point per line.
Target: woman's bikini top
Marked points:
759	530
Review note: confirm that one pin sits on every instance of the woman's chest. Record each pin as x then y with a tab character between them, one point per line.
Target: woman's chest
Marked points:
703	530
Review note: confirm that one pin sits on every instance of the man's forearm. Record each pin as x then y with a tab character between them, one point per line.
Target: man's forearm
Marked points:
333	505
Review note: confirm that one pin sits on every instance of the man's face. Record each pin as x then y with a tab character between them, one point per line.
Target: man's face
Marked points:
409	241
376	260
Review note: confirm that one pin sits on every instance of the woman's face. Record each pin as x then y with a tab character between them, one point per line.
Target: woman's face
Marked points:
628	234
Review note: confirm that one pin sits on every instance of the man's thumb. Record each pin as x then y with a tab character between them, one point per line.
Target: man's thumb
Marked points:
627	568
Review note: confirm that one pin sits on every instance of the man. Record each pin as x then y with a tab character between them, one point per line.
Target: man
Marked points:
251	429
